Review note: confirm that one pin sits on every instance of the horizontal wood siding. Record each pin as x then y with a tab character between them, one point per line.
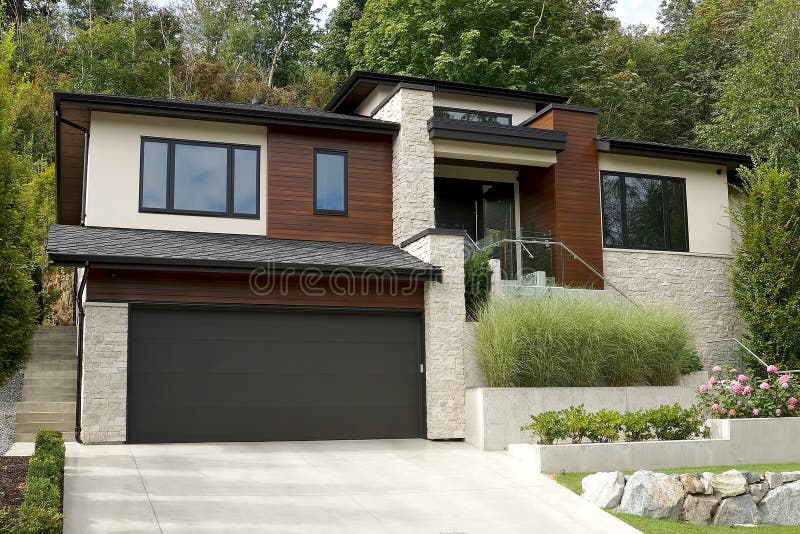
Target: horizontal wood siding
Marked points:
290	186
71	165
123	285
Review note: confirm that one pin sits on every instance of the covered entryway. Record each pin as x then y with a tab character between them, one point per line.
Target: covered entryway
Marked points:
201	374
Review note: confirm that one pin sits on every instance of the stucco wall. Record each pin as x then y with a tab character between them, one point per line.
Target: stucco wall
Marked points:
706	197
105	373
698	284
112	194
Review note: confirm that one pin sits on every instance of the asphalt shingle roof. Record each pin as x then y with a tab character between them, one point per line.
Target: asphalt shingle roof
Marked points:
73	245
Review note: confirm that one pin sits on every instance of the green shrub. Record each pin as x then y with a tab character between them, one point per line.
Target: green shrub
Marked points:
548	427
690	361
671	422
45	466
50	442
635	426
579	342
604	427
477	283
40	511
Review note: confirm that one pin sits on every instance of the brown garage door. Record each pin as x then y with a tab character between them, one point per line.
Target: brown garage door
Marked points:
240	374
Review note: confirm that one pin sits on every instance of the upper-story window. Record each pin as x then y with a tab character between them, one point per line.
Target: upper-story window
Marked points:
644	212
199	178
330	182
472	115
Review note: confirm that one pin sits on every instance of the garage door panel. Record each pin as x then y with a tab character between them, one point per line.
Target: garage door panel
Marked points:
206	374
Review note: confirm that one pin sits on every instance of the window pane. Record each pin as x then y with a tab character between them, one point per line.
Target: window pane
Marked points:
330	185
245	180
472	116
612	211
201	178
645	213
676	215
154	174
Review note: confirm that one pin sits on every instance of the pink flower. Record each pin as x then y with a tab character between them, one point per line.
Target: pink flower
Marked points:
778	411
732	412
742	378
713	381
703	388
736	388
756	411
748	389
785	385
772	368
739	402
716	369
790	407
715	407
764	386
792	400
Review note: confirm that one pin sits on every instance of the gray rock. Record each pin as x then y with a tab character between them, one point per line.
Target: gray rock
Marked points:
758	491
653	495
692	484
790	476
708	486
781	506
700	509
739	510
10	394
604	489
773	479
729	484
750	477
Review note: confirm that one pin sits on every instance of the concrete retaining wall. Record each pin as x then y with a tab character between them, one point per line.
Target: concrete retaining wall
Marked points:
494	415
733	442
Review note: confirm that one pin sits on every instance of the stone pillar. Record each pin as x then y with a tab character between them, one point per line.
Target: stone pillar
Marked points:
444	335
104	396
412	162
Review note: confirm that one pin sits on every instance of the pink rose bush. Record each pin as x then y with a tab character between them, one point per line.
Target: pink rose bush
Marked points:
729	394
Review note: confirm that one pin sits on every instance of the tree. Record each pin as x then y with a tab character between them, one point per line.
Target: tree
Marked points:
332	54
766	268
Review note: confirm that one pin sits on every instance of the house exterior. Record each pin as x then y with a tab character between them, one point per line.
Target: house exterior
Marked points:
248	272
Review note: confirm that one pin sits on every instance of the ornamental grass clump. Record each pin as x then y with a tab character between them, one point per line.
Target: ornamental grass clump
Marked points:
730	394
580	342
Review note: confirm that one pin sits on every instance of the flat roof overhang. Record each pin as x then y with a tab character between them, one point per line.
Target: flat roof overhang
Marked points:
731	161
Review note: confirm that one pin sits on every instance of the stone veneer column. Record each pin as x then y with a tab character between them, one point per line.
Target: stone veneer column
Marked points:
444	335
697	283
412	162
103	402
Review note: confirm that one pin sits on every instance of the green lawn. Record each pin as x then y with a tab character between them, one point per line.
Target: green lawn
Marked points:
659	526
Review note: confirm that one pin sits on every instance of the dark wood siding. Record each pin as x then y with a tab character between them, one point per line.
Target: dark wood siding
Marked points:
70	163
290	176
123	285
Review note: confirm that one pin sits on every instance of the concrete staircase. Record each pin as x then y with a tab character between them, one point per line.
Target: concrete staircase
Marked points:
48	388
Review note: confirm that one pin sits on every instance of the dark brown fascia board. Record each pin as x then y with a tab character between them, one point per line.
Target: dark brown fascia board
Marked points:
374	78
164	264
628	147
496	134
209	111
565	107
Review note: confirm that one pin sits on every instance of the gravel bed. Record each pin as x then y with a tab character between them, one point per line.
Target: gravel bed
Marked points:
9	395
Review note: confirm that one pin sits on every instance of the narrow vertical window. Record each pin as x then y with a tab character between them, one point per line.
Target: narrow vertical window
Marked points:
245	188
154	174
611	187
330	182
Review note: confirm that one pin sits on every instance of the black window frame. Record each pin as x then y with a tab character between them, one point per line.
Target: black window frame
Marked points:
336	152
229	185
476	111
664	210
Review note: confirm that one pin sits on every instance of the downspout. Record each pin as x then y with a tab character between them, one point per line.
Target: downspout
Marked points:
81	314
85	131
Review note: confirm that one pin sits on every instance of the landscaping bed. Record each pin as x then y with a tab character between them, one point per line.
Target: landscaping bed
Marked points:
13	470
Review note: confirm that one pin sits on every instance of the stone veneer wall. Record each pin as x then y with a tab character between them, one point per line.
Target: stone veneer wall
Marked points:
412	162
444	335
696	283
105	373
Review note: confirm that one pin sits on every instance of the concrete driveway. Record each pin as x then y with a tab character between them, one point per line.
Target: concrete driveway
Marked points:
397	486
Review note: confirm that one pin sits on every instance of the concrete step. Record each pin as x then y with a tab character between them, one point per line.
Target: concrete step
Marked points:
51	374
48	394
33	428
54	384
45	417
58	365
65	356
30	437
54	349
52	407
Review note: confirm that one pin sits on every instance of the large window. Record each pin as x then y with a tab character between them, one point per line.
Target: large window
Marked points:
330	182
644	212
199	178
472	115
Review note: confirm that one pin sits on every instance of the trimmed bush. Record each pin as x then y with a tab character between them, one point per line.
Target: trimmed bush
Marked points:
579	342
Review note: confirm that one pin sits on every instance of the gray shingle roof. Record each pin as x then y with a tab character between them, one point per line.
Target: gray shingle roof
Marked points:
73	245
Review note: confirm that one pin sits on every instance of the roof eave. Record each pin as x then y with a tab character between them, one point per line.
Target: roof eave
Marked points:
626	147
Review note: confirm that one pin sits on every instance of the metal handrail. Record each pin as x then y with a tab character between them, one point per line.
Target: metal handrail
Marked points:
751	353
549	242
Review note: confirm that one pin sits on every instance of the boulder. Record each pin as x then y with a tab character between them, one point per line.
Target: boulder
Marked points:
604	489
781	506
739	510
750	477
790	476
729	484
653	495
708	486
773	479
700	509
692	484
758	491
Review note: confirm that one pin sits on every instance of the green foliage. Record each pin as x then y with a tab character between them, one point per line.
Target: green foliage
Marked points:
766	267
40	511
606	426
477	283
333	43
729	394
690	361
50	442
579	342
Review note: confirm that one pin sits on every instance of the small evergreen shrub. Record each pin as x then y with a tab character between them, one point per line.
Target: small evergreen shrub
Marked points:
690	361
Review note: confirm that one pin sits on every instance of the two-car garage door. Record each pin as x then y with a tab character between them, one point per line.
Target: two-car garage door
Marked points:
243	374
